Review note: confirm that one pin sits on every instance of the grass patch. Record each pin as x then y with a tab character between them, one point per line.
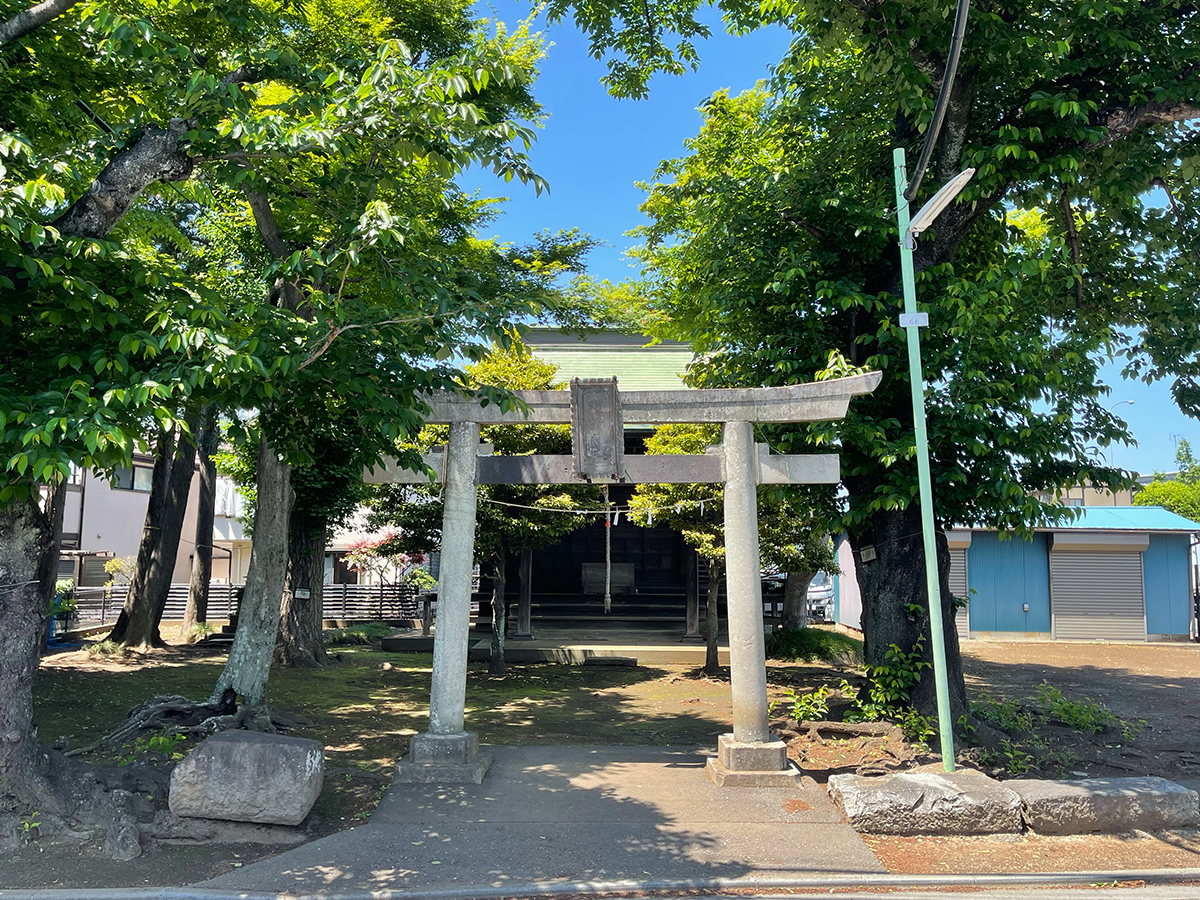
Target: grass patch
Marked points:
364	633
813	644
367	704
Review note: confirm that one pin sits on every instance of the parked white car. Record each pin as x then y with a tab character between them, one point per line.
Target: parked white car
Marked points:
820	597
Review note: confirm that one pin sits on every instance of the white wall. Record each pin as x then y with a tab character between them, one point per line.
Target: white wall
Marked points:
113	520
849	607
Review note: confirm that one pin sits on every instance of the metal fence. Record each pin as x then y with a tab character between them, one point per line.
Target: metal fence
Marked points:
101	605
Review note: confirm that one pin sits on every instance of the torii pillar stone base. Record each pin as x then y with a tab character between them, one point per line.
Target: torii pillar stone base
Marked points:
444	759
751	764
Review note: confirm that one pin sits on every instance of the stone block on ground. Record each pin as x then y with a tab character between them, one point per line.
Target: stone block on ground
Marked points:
248	776
122	839
1106	805
927	803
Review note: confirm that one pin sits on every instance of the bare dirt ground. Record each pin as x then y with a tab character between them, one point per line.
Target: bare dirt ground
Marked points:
1156	683
366	706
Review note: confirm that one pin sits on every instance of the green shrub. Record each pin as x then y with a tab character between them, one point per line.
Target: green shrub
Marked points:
890	685
198	632
164	745
1006	715
812	644
1082	715
105	647
811	707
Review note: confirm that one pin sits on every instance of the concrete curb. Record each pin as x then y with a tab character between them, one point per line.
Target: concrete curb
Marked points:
558	889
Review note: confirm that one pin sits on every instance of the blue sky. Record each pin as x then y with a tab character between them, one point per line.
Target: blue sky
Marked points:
594	149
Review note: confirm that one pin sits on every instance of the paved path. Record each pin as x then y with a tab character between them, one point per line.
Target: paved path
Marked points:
570	814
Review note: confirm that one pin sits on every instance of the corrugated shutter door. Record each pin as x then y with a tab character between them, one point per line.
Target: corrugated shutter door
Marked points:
1097	596
958	587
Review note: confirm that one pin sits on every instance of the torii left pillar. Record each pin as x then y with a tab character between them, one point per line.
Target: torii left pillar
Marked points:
447	752
750	756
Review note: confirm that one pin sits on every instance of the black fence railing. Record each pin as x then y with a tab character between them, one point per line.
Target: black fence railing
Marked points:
101	605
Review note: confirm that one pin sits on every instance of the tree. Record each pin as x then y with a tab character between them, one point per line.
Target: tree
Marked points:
174	464
207	443
1180	494
773	243
379	556
510	517
327	493
315	127
792	522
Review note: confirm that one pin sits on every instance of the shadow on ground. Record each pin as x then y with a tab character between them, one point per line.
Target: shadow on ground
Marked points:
560	814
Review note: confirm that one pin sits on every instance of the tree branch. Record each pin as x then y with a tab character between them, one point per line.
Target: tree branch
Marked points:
1073	239
954	130
816	232
34	17
1178	213
264	218
158	155
1123	121
242	75
286	293
342	329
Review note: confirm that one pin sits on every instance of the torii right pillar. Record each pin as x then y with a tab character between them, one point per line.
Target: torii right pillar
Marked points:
748	757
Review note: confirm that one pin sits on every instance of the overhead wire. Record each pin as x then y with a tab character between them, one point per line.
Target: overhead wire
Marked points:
943	100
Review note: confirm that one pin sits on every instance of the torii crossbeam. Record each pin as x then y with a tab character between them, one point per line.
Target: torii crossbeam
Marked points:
597	412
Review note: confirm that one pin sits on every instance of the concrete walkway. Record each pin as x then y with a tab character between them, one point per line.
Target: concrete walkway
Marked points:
562	815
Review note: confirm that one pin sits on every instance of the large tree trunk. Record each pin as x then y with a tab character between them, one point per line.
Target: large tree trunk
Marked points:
716	571
300	620
207	442
28	565
137	626
159	479
795	600
249	662
496	663
895	603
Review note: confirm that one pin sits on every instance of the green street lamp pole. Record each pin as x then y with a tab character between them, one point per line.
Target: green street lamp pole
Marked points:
912	321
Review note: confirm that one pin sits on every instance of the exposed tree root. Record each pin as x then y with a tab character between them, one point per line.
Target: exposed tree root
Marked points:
179	715
78	801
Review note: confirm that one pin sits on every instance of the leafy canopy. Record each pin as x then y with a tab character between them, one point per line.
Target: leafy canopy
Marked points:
303	236
773	242
1180	494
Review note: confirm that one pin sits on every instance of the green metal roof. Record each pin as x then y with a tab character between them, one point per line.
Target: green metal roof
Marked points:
637	364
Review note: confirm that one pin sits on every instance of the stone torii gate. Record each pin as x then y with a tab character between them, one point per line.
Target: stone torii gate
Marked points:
597	413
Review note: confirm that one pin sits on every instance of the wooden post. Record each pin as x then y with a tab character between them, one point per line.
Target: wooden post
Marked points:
691	587
525	599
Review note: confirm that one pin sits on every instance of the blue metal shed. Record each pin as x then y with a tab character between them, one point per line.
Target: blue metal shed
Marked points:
1115	573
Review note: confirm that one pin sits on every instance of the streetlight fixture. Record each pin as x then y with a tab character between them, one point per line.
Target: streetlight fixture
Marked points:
911	321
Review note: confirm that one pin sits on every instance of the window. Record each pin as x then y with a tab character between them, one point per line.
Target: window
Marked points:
137	478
